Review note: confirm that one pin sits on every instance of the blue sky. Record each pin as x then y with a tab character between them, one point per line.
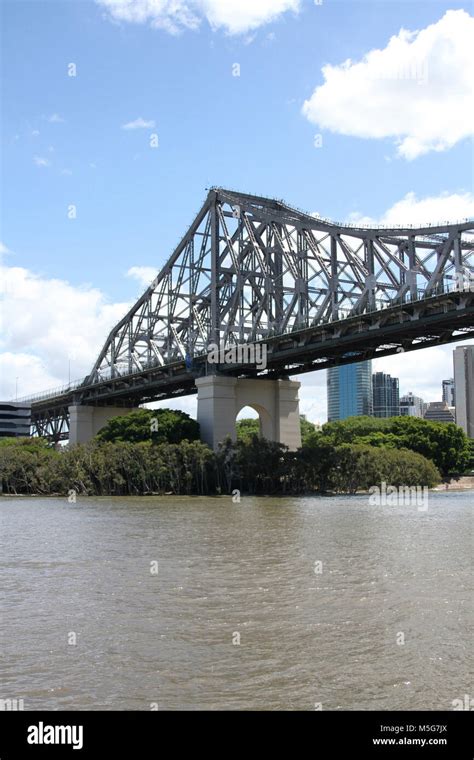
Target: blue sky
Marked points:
64	141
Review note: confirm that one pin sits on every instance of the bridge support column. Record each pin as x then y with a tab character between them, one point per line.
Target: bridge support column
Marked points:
86	421
221	398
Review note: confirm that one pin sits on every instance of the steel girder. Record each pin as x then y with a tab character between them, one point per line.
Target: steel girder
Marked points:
51	422
250	269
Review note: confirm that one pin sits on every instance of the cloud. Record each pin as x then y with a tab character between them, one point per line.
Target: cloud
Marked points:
55	118
411	210
4	251
42	334
144	275
41	162
407	91
139	124
174	16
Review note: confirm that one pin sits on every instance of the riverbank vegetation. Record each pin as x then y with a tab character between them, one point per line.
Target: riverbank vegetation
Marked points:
159	452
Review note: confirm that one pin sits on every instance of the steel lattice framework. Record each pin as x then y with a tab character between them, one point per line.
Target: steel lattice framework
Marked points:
250	268
317	293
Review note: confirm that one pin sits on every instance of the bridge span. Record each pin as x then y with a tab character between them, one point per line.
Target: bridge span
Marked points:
255	271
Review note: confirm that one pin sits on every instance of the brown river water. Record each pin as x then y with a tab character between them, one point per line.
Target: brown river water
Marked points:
271	604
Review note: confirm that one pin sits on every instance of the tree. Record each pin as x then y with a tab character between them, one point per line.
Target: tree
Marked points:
307	429
246	428
155	425
445	444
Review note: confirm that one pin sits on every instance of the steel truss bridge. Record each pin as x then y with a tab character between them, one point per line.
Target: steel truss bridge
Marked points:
317	293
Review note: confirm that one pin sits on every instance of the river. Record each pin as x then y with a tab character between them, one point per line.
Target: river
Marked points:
201	603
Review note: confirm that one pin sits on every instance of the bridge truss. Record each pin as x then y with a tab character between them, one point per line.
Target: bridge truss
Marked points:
252	269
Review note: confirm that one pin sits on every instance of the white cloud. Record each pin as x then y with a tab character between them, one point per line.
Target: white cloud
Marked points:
144	275
39	335
4	248
417	90
139	124
41	162
55	118
411	210
174	16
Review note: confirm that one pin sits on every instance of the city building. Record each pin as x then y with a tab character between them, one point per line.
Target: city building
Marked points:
386	395
449	395
412	406
349	391
439	411
464	388
15	419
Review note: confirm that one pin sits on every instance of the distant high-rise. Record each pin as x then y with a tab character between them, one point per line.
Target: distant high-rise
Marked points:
439	411
464	388
449	395
412	406
349	391
386	395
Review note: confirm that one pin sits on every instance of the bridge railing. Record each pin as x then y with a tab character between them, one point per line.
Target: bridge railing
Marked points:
52	392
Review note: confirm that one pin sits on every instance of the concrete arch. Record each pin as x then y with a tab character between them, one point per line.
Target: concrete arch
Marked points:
220	399
265	419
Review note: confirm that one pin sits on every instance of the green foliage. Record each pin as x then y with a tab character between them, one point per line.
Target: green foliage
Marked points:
25	464
351	467
327	462
470	457
156	425
247	428
307	430
445	444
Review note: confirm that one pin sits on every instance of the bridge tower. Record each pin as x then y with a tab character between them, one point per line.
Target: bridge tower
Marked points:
220	399
86	421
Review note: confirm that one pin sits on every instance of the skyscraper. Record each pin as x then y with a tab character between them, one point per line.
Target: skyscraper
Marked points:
412	406
464	388
386	395
438	411
449	396
349	391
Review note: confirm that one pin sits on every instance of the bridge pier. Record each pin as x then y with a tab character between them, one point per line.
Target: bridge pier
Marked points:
86	421
221	398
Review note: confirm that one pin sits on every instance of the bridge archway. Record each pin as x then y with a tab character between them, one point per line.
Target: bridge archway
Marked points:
221	398
265	422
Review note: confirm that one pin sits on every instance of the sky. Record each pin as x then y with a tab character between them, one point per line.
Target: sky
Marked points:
118	114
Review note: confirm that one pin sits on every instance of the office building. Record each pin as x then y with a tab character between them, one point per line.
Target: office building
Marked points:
386	395
412	406
439	411
349	391
449	396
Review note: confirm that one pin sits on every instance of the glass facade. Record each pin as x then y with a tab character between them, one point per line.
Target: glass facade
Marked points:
386	395
349	391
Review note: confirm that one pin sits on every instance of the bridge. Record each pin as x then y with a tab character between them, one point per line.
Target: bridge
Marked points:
255	272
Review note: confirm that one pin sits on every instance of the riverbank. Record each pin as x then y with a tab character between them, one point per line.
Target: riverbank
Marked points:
460	484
